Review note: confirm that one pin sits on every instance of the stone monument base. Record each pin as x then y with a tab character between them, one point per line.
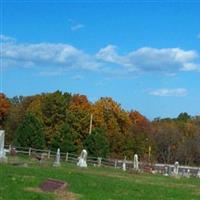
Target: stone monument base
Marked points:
56	164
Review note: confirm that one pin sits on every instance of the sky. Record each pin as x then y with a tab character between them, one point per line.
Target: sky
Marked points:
143	54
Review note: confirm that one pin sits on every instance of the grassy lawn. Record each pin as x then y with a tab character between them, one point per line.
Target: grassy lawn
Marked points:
94	183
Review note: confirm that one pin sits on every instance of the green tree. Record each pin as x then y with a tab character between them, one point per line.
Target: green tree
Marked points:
184	117
97	144
30	133
65	139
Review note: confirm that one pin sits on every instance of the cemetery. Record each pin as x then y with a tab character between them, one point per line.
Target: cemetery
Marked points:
99	100
44	174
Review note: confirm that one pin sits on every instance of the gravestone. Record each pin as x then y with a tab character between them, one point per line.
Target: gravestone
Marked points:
13	151
166	171
57	160
99	161
124	164
82	159
176	168
198	173
184	172
188	173
2	150
135	162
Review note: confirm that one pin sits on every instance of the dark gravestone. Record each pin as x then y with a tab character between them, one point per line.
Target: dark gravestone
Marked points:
13	152
52	185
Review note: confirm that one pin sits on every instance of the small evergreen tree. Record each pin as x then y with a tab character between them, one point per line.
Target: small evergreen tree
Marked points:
64	139
97	143
30	133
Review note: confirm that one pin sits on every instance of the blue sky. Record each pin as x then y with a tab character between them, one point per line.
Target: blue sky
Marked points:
146	56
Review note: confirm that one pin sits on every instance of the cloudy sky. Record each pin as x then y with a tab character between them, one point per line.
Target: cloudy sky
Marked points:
146	56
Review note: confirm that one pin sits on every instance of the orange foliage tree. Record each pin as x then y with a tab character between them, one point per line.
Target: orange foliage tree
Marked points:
109	115
4	107
78	117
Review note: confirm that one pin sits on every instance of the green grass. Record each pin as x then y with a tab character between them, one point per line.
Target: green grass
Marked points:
94	184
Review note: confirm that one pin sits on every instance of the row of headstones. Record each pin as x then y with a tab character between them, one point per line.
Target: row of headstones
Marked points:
82	160
135	163
177	172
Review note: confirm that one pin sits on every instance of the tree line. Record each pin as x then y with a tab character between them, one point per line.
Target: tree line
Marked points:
61	120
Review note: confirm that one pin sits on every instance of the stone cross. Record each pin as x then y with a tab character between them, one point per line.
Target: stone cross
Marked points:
82	159
135	162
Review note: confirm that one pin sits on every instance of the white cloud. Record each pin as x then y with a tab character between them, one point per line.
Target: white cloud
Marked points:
77	27
179	92
148	59
54	56
47	55
7	39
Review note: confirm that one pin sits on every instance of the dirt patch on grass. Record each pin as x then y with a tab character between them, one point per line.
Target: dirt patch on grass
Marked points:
58	195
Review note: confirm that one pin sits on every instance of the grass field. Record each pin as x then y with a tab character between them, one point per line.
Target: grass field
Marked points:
20	183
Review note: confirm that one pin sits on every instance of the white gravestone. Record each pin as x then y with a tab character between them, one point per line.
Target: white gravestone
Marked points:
188	173
135	162
198	173
82	159
99	161
176	168
166	171
57	161
124	164
2	151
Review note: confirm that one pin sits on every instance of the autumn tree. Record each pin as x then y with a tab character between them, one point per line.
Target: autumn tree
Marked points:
139	122
4	108
109	116
78	117
17	112
35	107
53	108
139	139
